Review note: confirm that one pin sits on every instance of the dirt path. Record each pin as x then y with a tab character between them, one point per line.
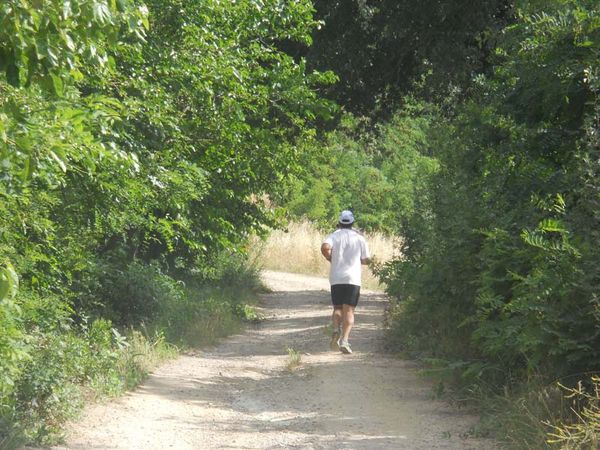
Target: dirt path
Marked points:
240	394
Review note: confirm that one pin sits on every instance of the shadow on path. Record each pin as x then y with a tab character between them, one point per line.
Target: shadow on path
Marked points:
241	395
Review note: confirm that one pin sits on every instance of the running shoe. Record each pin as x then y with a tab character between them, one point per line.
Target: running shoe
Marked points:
344	346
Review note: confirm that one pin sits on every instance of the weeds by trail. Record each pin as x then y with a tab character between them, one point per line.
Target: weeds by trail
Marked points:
75	360
294	359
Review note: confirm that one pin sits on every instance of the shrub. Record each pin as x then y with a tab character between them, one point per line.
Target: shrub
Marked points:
136	293
500	276
61	360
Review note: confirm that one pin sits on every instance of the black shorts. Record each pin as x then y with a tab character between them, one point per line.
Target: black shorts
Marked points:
345	294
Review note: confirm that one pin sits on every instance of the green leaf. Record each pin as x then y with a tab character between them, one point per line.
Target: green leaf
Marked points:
551	225
57	83
60	161
9	282
28	168
3	121
24	143
101	12
144	16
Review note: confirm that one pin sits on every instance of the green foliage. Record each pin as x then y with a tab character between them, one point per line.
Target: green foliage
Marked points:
500	274
247	312
135	294
55	46
203	316
380	48
138	146
378	174
61	356
136	359
211	307
12	345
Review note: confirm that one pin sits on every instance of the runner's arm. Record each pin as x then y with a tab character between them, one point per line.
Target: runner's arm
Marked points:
326	251
365	254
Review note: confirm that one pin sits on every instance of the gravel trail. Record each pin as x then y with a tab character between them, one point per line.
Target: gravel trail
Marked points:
240	394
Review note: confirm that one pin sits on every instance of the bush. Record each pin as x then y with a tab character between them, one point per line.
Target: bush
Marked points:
499	279
61	360
500	260
136	293
206	314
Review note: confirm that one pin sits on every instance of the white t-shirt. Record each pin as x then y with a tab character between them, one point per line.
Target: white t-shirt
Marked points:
348	247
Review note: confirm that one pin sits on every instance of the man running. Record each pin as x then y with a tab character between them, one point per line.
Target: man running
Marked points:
346	250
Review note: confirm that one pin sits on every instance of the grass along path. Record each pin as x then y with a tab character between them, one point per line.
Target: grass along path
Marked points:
242	394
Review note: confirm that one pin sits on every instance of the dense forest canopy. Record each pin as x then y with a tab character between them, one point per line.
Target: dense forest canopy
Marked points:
380	48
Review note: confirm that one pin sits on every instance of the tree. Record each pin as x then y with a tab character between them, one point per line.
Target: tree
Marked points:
380	48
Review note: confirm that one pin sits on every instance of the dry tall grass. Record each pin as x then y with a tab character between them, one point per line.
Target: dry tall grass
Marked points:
298	250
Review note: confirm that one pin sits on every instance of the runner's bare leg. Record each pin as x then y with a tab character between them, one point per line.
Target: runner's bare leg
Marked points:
336	317
348	320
